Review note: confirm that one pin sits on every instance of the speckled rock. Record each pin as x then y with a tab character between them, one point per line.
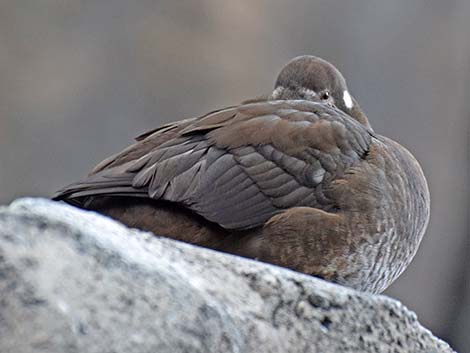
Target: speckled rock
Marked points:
74	281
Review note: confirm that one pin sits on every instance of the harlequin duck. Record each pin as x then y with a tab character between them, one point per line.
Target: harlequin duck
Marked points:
297	179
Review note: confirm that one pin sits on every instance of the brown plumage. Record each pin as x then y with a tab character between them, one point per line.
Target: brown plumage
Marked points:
298	179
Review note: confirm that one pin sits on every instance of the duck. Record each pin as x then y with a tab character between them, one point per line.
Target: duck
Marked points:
297	178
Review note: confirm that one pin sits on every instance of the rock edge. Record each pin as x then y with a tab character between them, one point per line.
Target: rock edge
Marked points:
75	281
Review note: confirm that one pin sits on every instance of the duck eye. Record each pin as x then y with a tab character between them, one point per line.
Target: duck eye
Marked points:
325	95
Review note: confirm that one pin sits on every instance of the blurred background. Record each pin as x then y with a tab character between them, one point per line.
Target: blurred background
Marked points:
79	79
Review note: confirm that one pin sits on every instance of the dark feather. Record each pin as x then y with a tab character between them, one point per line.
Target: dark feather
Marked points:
239	166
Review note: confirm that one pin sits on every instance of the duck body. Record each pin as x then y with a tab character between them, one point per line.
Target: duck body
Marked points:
298	183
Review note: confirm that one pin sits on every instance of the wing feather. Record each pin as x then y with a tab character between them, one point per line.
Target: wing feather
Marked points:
238	166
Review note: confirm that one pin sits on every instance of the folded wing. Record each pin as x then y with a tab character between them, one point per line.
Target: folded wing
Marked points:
238	166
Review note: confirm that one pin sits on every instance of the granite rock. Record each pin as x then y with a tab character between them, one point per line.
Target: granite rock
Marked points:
75	281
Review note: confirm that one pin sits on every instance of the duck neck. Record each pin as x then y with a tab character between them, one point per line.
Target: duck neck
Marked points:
357	113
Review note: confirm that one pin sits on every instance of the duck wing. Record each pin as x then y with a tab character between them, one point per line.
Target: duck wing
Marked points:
238	166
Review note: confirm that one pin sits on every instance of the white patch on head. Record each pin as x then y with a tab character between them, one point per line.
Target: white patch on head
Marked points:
307	93
277	92
347	100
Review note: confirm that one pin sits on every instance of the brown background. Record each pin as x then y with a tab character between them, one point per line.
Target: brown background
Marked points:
79	79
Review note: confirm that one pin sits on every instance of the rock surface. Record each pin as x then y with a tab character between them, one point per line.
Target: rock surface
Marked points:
74	281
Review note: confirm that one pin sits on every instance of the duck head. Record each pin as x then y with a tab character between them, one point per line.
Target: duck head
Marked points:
311	78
